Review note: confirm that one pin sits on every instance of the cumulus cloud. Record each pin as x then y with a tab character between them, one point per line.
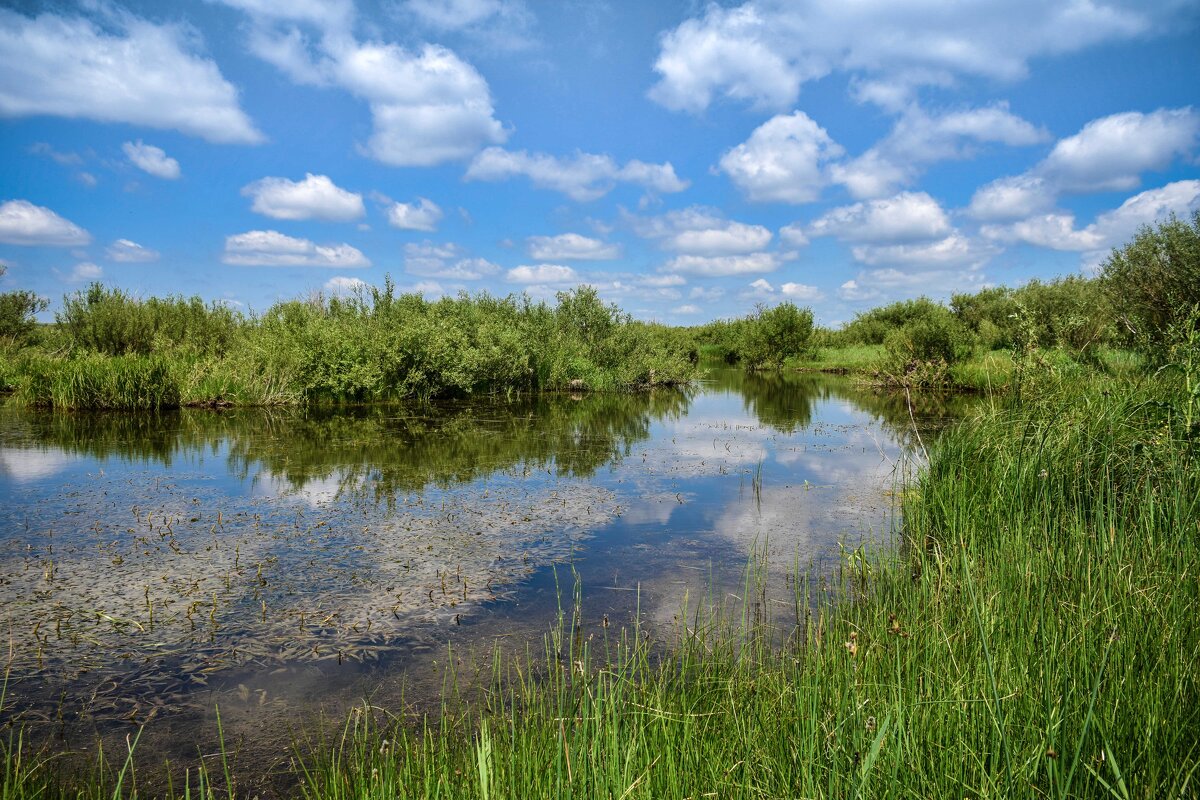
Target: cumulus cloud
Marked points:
723	266
686	308
497	24
85	272
907	217
1107	154
920	138
762	290
21	222
128	252
447	261
274	249
315	197
794	235
541	273
784	160
763	51
1011	198
1110	229
423	215
954	250
851	290
698	230
151	159
342	285
131	71
428	106
571	246
582	177
1110	153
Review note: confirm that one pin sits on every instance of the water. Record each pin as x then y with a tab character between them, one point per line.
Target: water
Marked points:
284	564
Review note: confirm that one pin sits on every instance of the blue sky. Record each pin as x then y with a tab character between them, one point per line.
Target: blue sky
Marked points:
687	159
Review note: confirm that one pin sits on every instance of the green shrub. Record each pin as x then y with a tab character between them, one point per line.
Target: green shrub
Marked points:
773	335
1154	282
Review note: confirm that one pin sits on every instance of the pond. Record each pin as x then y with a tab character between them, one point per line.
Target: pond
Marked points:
283	564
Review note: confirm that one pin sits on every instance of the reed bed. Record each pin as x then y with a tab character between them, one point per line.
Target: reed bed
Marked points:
1034	631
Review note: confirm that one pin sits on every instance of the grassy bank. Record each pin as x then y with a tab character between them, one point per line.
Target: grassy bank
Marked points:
981	371
1036	633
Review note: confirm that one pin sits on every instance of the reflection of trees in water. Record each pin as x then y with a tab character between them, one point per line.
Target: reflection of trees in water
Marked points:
387	450
786	401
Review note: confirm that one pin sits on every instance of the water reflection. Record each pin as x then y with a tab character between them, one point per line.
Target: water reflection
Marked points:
155	563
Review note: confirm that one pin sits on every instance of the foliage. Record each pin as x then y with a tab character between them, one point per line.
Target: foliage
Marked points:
1154	281
114	322
17	311
772	335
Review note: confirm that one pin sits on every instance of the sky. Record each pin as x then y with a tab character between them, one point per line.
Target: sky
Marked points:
690	160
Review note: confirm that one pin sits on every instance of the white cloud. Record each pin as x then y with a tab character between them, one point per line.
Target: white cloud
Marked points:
762	289
273	249
151	159
1011	198
722	266
702	231
571	246
851	290
907	217
794	235
919	139
541	273
342	285
447	261
730	238
127	252
582	177
133	71
315	197
954	250
85	272
21	222
783	160
1110	229
497	24
1056	231
1107	154
423	215
1110	153
67	159
764	50
662	281
428	106
707	294
801	291
686	308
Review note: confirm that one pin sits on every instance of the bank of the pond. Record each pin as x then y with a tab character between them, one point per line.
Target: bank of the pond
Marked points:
981	371
1036	633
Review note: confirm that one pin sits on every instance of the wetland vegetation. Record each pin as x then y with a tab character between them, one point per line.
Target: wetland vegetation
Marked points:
714	594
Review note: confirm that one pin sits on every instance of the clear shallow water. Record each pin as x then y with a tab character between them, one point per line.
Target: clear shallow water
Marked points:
279	564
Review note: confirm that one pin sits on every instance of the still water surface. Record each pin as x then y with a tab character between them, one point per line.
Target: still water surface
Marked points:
277	564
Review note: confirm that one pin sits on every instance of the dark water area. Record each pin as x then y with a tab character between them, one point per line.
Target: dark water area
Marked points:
282	565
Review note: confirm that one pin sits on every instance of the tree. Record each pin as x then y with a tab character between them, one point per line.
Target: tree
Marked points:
773	335
1154	282
17	311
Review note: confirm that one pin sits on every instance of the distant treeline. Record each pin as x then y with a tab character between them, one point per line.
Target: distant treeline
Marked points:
1141	300
109	349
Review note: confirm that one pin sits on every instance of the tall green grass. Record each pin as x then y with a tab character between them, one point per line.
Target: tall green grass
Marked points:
99	382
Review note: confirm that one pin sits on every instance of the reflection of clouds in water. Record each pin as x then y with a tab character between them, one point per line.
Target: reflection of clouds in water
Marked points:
27	465
282	577
315	492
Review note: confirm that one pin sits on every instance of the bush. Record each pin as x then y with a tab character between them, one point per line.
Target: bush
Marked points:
773	335
1154	281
